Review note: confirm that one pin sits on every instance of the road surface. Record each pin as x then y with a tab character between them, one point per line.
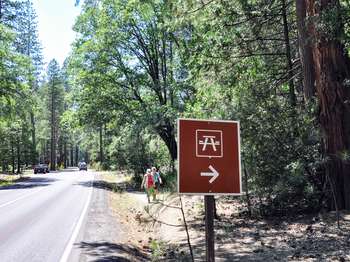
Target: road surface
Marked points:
41	219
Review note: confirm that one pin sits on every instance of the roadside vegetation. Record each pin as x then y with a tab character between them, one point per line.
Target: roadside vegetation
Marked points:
7	180
279	67
157	230
136	66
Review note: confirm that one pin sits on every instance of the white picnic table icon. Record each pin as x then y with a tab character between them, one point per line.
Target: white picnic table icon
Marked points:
209	140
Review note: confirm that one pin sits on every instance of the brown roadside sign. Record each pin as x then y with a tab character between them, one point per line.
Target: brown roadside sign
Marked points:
209	157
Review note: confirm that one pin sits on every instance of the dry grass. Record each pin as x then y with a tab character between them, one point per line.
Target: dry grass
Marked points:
130	206
126	207
6	179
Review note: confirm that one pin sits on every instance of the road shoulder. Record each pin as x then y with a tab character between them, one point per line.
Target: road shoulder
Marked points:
103	236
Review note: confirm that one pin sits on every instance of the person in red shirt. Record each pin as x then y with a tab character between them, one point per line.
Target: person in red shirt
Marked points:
157	181
148	184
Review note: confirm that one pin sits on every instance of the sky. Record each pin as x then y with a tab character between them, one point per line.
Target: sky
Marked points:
55	21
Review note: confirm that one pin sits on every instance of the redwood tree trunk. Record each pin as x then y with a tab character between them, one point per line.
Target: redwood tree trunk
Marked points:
305	51
332	69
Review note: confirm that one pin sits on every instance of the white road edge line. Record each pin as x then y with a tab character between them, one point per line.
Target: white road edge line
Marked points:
74	235
23	196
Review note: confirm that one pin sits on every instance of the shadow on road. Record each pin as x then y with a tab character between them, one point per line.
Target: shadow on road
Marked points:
115	187
29	183
105	251
70	169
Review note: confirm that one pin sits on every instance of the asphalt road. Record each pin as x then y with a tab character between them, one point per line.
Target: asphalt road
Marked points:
41	218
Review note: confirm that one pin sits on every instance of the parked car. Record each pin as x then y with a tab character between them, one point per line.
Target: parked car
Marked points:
82	166
41	168
47	168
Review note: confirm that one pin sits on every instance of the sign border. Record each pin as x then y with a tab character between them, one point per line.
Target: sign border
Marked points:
239	157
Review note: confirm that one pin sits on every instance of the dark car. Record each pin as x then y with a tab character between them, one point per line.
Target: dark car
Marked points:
41	168
82	166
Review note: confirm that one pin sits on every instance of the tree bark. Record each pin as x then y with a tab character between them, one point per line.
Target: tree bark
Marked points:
166	132
249	205
292	96
18	156
65	153
101	144
53	133
76	155
60	150
71	155
0	11
13	157
332	70
305	52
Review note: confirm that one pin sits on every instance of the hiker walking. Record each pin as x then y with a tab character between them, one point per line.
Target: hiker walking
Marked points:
148	184
157	181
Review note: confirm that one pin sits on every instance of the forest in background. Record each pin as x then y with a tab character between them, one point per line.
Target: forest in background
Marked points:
279	67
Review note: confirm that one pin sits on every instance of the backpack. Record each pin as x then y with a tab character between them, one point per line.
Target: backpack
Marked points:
156	177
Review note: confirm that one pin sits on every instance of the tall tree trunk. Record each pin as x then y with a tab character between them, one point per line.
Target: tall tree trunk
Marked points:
47	156
305	51
292	97
13	157
76	155
60	150
71	154
18	156
166	132
249	205
332	69
53	150
65	154
33	131
0	11
53	134
101	144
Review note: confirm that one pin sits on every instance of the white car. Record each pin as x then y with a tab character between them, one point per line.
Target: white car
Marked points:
82	166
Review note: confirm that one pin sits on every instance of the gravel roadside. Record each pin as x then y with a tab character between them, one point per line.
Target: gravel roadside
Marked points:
102	236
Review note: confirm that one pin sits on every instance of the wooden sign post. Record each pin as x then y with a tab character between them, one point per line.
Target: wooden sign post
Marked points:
209	165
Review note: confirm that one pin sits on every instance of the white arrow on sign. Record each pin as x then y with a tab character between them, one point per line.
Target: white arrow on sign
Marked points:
214	174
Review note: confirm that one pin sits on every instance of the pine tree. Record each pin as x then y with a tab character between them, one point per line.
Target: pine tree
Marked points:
55	100
27	43
8	12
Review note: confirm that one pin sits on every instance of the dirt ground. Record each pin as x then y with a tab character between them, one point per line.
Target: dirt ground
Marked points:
6	179
157	229
156	232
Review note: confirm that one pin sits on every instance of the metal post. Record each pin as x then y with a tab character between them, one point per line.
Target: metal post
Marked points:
209	228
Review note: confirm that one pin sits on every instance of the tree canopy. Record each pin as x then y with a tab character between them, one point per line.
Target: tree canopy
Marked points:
279	67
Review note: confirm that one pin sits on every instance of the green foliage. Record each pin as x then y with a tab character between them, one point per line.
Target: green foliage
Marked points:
137	66
158	249
237	63
20	66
